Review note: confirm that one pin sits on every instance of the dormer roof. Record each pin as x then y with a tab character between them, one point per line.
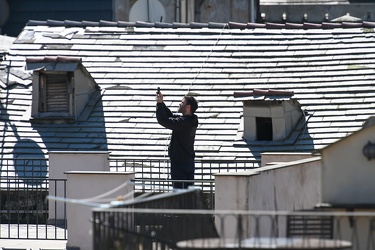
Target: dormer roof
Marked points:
53	63
262	94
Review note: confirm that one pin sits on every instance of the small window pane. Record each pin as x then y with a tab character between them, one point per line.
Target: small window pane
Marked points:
264	128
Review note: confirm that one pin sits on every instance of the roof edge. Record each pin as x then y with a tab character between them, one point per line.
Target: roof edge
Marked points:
197	25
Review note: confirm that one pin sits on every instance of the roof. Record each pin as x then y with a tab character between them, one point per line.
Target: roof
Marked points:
269	94
5	43
196	25
56	63
368	125
328	68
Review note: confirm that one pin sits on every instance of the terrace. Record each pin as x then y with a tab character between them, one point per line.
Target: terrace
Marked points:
160	218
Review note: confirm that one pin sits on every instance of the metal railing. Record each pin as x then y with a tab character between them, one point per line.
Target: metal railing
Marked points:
30	169
24	211
26	214
183	199
137	228
152	172
159	168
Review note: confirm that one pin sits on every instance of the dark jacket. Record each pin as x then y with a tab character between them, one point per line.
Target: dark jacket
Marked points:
181	147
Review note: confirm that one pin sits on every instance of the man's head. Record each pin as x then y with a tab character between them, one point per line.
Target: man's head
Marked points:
188	105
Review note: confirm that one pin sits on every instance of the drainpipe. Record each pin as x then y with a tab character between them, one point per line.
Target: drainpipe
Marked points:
177	11
148	11
253	11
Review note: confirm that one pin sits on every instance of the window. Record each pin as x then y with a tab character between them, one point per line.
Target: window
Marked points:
268	115
54	93
264	129
270	120
62	90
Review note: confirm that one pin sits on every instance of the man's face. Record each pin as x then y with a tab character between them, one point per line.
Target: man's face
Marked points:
182	106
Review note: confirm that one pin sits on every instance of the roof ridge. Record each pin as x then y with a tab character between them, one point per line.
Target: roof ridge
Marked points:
195	25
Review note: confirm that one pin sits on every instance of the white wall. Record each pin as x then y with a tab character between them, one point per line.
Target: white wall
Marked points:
62	161
282	187
84	88
284	114
347	175
87	184
272	158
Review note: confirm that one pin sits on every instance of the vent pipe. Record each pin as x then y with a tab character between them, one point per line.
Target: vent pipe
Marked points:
254	13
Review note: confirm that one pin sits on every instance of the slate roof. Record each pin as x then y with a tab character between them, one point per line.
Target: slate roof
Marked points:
329	68
5	42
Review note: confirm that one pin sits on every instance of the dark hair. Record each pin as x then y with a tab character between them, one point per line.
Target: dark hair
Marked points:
190	100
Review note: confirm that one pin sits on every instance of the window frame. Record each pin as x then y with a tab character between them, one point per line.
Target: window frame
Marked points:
44	106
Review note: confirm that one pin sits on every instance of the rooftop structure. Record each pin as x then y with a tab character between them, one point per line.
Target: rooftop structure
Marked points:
327	67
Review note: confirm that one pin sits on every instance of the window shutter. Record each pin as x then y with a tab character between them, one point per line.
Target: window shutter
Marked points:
57	96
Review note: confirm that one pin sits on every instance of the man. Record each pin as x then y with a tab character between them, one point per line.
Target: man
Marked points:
181	147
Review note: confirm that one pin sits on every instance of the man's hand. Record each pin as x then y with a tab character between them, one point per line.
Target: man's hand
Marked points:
159	97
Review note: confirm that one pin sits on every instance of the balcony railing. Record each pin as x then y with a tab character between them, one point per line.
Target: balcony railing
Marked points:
159	168
143	168
25	211
154	172
25	183
137	228
151	173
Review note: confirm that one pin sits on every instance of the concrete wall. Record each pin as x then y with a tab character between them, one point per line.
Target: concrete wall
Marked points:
88	184
243	11
85	86
281	187
347	175
278	157
223	11
188	11
284	114
62	161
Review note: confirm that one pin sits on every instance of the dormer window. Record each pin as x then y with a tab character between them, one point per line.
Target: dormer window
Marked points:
56	93
264	130
268	115
62	88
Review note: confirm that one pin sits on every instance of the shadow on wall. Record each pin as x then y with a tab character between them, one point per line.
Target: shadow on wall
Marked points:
299	138
25	158
33	170
25	145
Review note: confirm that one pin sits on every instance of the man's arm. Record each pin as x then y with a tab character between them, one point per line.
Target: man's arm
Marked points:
163	113
173	122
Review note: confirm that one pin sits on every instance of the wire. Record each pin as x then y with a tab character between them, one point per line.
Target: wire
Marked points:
188	91
95	198
207	57
91	201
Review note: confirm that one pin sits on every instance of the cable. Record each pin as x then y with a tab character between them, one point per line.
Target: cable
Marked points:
207	57
188	91
106	193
